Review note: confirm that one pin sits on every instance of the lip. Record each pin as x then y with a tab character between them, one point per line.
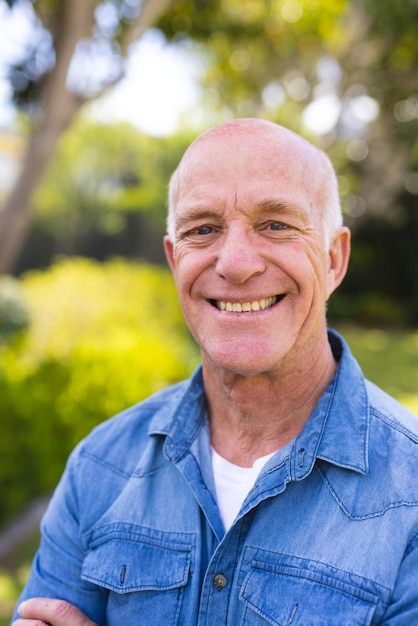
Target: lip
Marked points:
246	306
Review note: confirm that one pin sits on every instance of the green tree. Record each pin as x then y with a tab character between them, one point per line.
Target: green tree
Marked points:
107	183
348	64
60	76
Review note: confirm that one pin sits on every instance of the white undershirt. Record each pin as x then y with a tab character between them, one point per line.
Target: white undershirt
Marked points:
233	483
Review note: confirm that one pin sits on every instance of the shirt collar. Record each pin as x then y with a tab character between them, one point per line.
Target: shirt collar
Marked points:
336	432
338	429
182	416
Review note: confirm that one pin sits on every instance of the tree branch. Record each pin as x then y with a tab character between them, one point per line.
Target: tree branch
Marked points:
151	12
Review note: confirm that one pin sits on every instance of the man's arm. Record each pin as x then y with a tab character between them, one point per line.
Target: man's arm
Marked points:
57	568
403	609
52	612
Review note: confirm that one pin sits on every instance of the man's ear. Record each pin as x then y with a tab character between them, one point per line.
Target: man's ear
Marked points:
339	254
169	252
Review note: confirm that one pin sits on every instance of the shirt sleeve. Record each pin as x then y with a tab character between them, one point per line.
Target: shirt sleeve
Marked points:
56	569
403	608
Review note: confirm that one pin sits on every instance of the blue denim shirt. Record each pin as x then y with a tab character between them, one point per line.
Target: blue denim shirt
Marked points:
327	535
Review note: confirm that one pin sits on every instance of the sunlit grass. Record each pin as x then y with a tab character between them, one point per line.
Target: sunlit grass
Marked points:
389	359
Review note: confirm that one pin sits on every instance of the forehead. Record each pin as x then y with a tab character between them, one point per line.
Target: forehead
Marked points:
261	152
248	166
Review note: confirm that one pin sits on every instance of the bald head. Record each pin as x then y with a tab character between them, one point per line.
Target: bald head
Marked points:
281	150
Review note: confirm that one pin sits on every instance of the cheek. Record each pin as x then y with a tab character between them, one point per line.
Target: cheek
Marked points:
318	260
191	268
306	259
310	273
186	273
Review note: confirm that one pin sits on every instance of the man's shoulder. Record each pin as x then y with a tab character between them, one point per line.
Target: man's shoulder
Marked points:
388	482
119	441
393	447
383	409
388	411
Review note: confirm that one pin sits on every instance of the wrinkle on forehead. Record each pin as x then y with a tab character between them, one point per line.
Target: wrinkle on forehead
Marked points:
281	147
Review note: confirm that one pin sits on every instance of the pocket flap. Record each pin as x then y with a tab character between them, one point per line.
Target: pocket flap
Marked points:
291	595
137	562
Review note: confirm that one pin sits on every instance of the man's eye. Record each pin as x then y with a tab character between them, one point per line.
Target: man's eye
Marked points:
200	234
203	230
278	226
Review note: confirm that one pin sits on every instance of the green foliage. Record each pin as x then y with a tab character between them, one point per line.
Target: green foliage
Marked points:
389	358
351	63
381	287
14	315
103	172
270	58
105	191
255	47
103	194
102	337
14	573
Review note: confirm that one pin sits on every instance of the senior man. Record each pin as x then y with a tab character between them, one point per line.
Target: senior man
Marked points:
277	486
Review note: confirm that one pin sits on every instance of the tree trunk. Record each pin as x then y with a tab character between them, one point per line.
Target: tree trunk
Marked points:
59	108
75	22
16	213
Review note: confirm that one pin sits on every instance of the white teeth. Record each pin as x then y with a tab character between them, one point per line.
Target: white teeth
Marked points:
245	307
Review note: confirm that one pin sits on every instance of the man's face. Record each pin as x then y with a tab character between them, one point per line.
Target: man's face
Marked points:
249	257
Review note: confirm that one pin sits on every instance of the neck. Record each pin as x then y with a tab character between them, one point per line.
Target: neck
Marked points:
251	416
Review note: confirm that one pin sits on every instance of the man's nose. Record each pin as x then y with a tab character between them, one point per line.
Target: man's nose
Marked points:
239	256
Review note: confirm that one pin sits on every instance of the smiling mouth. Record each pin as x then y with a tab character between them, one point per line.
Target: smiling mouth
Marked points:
246	307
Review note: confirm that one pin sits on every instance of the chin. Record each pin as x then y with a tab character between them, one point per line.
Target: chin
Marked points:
245	363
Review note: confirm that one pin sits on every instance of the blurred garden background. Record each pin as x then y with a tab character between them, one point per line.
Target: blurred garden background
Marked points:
98	100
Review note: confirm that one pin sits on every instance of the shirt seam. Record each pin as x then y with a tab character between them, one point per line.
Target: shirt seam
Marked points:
394	423
379	513
103	463
318	562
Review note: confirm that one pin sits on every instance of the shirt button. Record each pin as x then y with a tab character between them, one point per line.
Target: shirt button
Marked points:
219	581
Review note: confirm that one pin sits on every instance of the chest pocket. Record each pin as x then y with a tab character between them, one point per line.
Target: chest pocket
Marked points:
144	571
284	590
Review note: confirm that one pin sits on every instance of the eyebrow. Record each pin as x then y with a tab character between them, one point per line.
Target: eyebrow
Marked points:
280	206
269	205
195	214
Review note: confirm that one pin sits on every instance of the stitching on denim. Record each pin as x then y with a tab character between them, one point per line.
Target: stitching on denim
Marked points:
119	471
293	555
318	578
106	464
370	603
392	505
296	451
395	424
176	541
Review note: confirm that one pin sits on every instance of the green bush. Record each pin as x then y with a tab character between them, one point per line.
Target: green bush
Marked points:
14	314
101	338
